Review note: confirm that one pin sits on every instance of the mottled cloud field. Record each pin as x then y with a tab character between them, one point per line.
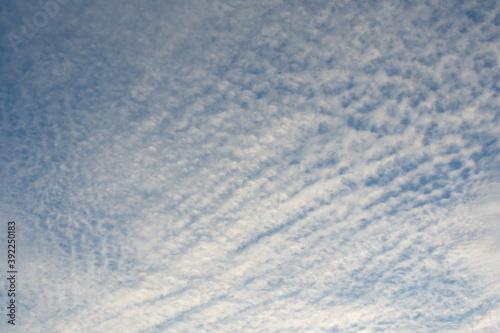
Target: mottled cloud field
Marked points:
252	166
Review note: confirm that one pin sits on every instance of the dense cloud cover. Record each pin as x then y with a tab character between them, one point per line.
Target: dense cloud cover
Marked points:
252	166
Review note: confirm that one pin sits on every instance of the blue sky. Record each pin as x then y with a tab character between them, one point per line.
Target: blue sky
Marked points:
252	166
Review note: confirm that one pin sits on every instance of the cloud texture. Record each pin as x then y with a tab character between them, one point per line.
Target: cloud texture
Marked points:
268	166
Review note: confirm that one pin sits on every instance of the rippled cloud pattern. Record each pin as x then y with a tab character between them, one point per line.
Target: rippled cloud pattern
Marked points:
252	166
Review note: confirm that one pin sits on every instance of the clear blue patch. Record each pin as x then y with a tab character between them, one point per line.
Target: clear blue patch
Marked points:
371	181
405	121
343	170
496	83
429	60
455	164
323	128
388	90
444	28
359	124
465	173
485	61
367	108
431	84
438	185
412	186
475	16
364	224
348	100
433	132
416	98
336	88
393	71
496	20
489	149
326	163
370	69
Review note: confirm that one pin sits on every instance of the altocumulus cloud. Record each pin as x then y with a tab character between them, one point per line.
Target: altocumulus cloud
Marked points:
264	166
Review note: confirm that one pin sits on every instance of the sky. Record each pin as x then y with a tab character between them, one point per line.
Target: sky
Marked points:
251	166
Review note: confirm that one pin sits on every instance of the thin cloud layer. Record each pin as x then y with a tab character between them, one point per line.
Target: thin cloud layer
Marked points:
253	167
